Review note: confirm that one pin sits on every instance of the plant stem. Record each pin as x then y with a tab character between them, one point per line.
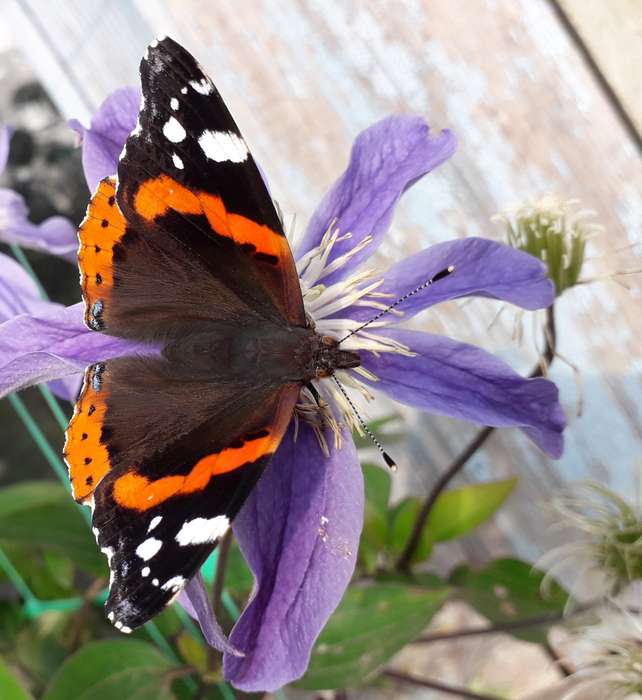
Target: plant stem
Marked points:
500	627
435	685
405	560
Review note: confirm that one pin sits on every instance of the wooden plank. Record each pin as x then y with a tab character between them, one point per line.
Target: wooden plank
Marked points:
612	31
303	77
81	49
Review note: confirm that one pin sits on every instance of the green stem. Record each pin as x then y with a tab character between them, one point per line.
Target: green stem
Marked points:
39	438
20	256
16	579
61	418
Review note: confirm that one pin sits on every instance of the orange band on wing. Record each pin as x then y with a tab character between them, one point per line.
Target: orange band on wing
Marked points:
137	492
101	229
156	197
86	456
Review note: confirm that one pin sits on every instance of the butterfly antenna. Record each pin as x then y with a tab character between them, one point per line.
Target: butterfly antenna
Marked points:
439	276
387	458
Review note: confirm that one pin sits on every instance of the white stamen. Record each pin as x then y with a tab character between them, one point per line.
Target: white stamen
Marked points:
324	304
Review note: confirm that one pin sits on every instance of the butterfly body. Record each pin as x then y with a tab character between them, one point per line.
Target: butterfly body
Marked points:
261	353
186	253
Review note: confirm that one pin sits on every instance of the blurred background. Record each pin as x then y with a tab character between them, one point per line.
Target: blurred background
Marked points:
545	96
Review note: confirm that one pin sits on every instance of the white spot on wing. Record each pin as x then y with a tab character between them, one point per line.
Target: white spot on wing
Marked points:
144	572
202	530
178	161
126	630
173	131
173	103
202	86
111	616
222	146
174	584
149	548
184	91
155	582
157	40
154	522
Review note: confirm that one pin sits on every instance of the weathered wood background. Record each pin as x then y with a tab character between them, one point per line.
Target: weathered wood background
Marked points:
303	78
544	97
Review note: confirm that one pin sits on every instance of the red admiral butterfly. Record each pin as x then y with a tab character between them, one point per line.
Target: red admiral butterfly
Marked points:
184	250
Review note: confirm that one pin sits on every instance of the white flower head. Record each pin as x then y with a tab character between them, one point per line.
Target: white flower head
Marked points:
604	554
608	654
555	230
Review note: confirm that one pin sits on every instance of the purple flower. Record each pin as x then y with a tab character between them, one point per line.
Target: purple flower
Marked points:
55	235
300	528
105	138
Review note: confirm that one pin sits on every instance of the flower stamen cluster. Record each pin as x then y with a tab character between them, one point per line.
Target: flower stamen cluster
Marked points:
323	304
556	231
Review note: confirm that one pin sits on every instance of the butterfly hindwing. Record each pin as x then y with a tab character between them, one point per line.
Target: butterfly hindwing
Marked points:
86	451
177	478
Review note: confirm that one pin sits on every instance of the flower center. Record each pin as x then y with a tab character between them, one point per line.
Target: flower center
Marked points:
328	307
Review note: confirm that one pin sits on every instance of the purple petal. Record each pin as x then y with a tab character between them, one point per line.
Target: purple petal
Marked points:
55	235
43	346
454	379
482	268
5	138
67	388
18	291
19	294
299	532
386	159
195	600
104	140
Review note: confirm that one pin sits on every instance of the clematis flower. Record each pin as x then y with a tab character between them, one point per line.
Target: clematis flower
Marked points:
299	530
56	235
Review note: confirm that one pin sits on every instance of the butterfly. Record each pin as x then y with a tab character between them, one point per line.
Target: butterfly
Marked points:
184	250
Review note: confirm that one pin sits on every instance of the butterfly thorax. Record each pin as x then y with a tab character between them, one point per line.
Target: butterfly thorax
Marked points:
327	356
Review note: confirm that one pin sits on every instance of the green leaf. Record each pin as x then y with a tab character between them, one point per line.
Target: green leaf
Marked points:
113	669
43	514
60	568
30	564
375	525
238	577
508	590
458	512
375	426
370	625
403	516
454	514
39	647
10	688
192	651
